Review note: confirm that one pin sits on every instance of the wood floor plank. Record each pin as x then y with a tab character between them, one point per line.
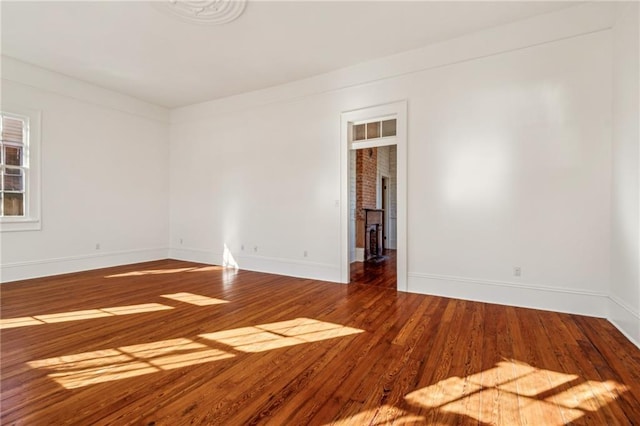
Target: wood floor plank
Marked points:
281	350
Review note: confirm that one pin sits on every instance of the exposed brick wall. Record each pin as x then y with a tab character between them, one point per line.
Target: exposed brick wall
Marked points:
366	177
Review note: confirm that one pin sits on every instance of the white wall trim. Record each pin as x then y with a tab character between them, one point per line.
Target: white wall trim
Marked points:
62	265
545	297
541	29
505	283
374	143
28	75
624	333
397	109
625	306
208	257
271	265
625	319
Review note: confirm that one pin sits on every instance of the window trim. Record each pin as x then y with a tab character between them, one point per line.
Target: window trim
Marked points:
31	221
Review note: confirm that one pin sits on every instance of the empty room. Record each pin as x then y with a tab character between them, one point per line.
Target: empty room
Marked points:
319	212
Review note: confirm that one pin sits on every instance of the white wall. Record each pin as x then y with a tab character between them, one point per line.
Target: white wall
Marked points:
383	169
625	200
262	179
509	165
104	177
387	167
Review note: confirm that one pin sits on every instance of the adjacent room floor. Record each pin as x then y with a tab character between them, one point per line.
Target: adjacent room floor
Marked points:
171	343
378	272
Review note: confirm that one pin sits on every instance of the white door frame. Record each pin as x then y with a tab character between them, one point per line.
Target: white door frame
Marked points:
399	111
384	204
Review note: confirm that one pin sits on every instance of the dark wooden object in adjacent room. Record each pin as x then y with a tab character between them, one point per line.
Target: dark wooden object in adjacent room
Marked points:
373	241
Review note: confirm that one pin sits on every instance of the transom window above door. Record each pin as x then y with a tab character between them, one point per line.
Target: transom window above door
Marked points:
374	129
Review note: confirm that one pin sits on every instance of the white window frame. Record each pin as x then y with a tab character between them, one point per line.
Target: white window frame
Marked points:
32	180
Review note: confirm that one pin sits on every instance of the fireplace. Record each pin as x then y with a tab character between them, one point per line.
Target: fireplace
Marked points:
373	243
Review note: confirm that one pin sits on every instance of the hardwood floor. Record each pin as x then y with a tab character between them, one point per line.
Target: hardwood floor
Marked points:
171	343
376	273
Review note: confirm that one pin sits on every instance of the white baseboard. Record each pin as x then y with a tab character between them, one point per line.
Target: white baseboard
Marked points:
63	265
196	255
271	265
510	293
359	254
625	319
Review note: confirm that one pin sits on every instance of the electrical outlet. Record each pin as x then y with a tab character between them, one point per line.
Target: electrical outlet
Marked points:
242	247
180	241
255	249
97	246
305	253
517	271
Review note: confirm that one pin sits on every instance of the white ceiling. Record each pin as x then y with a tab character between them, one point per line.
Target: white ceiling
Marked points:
134	48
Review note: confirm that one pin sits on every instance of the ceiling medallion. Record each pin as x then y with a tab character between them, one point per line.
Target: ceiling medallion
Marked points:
215	12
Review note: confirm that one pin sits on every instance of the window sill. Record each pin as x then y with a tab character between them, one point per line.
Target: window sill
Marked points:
22	224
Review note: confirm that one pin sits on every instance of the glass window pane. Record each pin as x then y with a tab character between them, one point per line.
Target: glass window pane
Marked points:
13	180
13	204
13	155
358	132
373	130
12	130
389	128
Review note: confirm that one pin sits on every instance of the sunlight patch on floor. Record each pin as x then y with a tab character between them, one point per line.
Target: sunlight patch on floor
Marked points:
149	272
279	334
383	415
83	369
207	269
79	370
513	389
81	315
165	271
194	299
18	322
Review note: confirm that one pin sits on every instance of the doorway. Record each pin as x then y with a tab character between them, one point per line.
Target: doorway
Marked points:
379	127
373	216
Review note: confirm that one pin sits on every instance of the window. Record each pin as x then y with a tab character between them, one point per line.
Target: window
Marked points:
13	164
19	171
374	129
